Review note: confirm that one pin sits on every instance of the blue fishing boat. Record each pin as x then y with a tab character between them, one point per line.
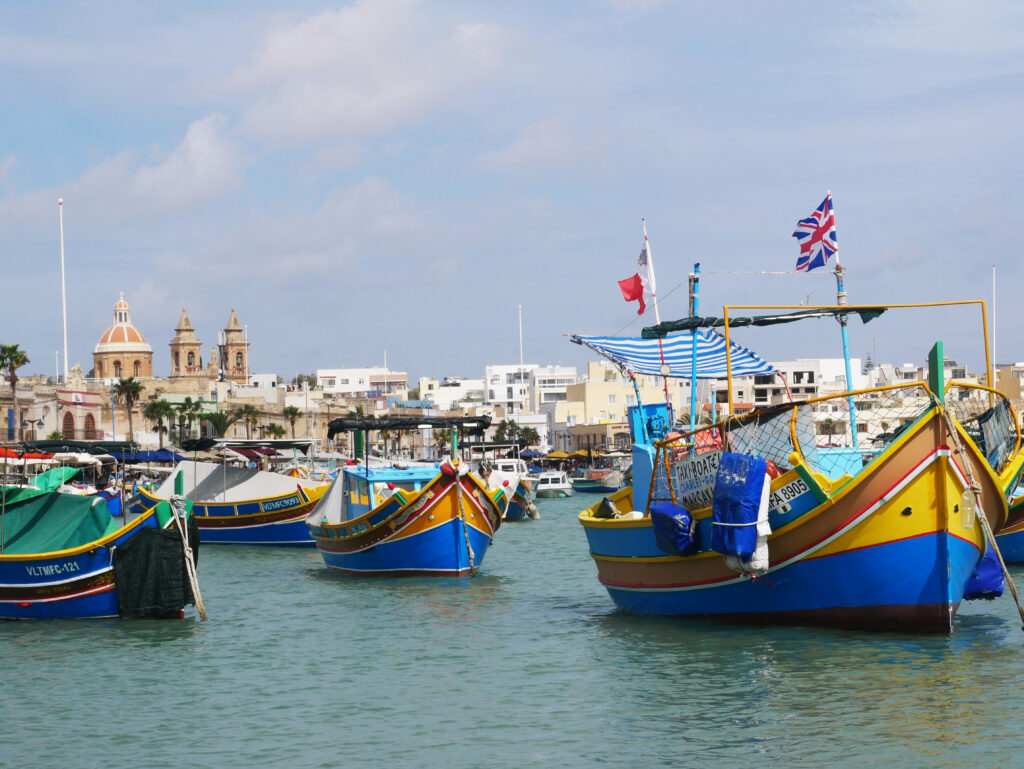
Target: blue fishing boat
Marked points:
599	481
744	519
1011	537
412	520
513	477
242	505
65	556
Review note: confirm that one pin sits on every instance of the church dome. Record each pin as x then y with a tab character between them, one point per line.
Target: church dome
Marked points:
122	336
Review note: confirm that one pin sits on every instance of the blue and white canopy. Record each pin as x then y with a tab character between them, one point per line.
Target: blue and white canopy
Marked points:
646	356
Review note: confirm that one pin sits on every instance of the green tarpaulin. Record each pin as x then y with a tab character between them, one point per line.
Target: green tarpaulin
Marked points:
52	521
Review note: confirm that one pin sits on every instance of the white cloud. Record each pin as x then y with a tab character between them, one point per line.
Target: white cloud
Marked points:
356	226
546	145
7	165
200	169
924	26
361	71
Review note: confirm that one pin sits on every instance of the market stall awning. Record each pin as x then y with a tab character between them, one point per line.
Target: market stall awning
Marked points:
648	356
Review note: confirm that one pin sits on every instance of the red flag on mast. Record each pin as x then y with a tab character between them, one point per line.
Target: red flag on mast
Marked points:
633	290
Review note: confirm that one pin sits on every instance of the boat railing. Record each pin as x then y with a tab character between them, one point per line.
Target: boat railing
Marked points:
989	420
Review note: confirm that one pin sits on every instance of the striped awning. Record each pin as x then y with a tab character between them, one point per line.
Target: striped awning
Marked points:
646	356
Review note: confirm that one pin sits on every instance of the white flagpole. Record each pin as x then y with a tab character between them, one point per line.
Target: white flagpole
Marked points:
657	319
63	294
650	273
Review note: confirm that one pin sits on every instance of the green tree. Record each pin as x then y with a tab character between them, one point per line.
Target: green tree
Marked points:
443	439
829	427
250	415
292	414
12	357
127	391
529	436
274	430
220	422
507	431
56	435
159	411
186	411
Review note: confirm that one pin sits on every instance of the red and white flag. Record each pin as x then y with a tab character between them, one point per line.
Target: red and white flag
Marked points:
635	287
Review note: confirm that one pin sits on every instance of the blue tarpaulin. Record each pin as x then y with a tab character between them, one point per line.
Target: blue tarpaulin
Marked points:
160	455
648	356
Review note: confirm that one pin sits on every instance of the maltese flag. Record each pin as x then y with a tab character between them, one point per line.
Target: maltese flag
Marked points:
634	288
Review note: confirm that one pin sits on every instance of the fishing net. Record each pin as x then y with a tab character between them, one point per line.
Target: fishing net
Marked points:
816	434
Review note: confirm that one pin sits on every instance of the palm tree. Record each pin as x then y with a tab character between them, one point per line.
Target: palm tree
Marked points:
292	414
442	439
157	411
274	430
529	436
220	422
250	415
12	358
128	391
186	411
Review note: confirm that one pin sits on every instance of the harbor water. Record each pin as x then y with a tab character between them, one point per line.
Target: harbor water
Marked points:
526	664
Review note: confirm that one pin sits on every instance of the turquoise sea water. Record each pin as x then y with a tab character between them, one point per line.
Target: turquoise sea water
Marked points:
527	664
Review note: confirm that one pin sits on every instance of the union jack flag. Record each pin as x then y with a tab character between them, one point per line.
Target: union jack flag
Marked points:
817	237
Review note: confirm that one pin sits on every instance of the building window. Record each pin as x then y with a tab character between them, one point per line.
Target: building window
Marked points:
191	358
238	359
135	368
68	429
611	400
117	369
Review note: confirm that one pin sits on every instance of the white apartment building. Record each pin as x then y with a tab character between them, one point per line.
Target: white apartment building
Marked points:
549	384
362	382
509	386
450	392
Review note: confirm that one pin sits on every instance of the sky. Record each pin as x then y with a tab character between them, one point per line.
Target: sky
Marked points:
394	179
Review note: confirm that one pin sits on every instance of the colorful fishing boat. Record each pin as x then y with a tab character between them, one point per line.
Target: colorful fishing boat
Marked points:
435	520
241	505
1011	537
599	481
763	529
513	477
65	556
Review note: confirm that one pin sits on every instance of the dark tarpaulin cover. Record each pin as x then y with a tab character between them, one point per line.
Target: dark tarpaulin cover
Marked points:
674	532
469	425
79	447
254	444
150	572
709	321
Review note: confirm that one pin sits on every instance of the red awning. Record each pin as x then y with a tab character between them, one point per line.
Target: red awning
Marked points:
14	454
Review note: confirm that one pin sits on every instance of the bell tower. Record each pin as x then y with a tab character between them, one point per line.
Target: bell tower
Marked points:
186	355
234	352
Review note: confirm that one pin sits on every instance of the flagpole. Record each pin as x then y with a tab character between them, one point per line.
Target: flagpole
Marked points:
694	304
995	359
657	319
841	302
63	294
